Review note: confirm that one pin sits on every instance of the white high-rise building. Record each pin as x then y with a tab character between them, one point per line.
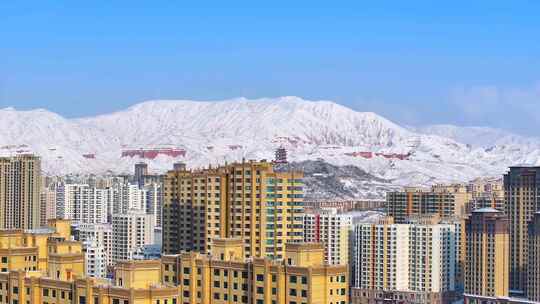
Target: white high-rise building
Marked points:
95	259
409	258
101	234
81	203
131	231
90	206
65	198
154	201
333	231
122	197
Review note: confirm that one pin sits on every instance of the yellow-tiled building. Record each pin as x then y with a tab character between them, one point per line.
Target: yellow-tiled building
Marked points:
487	265
247	200
225	276
45	267
20	189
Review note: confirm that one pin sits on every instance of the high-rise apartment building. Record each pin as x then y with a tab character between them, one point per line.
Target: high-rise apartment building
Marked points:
226	276
247	200
154	201
130	231
20	189
487	253
522	200
533	275
443	201
47	205
100	234
333	231
95	259
408	259
81	203
122	197
141	169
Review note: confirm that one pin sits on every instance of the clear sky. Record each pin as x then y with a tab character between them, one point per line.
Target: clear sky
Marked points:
415	62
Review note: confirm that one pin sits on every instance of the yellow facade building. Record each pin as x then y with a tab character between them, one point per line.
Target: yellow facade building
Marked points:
45	267
247	200
487	264
20	190
226	276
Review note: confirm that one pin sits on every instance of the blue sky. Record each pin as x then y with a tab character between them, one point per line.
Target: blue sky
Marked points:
415	62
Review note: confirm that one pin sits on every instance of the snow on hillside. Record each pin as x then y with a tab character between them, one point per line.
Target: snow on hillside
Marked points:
215	132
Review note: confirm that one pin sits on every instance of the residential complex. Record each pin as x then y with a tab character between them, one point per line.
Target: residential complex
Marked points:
20	190
332	230
247	200
226	276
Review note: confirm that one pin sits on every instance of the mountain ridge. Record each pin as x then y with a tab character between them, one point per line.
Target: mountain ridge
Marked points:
213	132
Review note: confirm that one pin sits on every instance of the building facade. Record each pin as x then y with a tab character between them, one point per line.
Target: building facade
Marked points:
533	276
247	200
444	201
47	205
95	259
522	200
487	253
98	234
226	276
406	259
333	231
20	189
129	232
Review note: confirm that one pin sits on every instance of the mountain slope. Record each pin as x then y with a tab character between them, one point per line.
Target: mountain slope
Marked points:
215	132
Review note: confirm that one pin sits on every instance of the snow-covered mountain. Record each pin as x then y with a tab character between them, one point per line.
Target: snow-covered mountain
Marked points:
215	132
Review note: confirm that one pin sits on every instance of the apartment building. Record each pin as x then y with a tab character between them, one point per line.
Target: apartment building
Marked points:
47	201
533	268
20	189
95	259
81	203
404	260
129	232
333	231
487	254
47	249
100	234
247	200
445	201
226	276
522	200
134	282
154	201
